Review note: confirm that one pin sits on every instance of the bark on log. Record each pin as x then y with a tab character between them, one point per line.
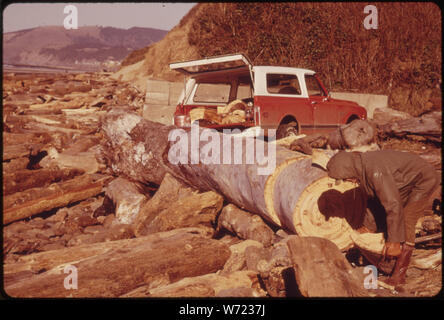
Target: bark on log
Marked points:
117	271
26	179
24	204
245	225
135	147
321	270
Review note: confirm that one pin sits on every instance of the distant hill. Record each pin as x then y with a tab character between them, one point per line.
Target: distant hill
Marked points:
401	58
85	48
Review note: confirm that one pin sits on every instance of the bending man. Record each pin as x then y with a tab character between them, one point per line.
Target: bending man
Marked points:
403	183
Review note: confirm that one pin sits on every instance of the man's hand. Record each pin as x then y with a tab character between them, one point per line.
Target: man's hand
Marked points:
391	249
363	230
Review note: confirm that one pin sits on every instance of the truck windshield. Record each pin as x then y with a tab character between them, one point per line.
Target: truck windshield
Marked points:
212	92
313	87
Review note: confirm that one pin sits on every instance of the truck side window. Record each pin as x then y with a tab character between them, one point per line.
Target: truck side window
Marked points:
313	87
212	92
283	84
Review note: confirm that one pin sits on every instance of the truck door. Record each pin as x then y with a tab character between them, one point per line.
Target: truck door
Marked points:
280	99
325	114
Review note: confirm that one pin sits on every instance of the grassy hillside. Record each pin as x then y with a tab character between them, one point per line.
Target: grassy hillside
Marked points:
402	58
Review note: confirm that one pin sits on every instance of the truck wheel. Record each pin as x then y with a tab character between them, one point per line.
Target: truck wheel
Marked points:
287	130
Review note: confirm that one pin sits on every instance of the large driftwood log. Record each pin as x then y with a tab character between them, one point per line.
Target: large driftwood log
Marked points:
245	225
428	125
28	265
276	190
321	270
26	179
114	272
236	284
24	204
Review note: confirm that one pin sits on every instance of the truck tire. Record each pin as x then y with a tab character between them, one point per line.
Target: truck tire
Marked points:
286	130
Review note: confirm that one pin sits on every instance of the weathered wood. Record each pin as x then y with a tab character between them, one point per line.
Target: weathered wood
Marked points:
15	164
429	237
127	197
170	191
26	179
428	125
24	204
85	161
277	272
21	150
135	147
236	284
43	261
237	260
116	271
384	115
25	138
245	225
305	144
428	262
42	127
321	270
198	209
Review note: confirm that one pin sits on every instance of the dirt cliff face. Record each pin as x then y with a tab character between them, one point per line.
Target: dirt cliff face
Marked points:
154	61
401	58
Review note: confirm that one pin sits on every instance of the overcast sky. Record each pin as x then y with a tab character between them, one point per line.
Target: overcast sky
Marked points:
164	16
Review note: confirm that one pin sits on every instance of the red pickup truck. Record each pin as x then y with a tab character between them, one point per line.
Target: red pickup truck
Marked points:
290	100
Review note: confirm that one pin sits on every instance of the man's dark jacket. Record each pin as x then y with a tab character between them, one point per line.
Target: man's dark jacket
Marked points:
396	178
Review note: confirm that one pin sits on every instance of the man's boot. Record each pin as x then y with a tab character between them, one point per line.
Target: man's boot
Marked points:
401	265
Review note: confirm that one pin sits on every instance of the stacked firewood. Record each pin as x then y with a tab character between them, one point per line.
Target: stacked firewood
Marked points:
236	112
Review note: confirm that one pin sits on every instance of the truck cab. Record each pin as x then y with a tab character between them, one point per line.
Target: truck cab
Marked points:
229	92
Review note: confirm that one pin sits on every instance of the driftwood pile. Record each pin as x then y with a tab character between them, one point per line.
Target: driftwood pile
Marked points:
77	225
